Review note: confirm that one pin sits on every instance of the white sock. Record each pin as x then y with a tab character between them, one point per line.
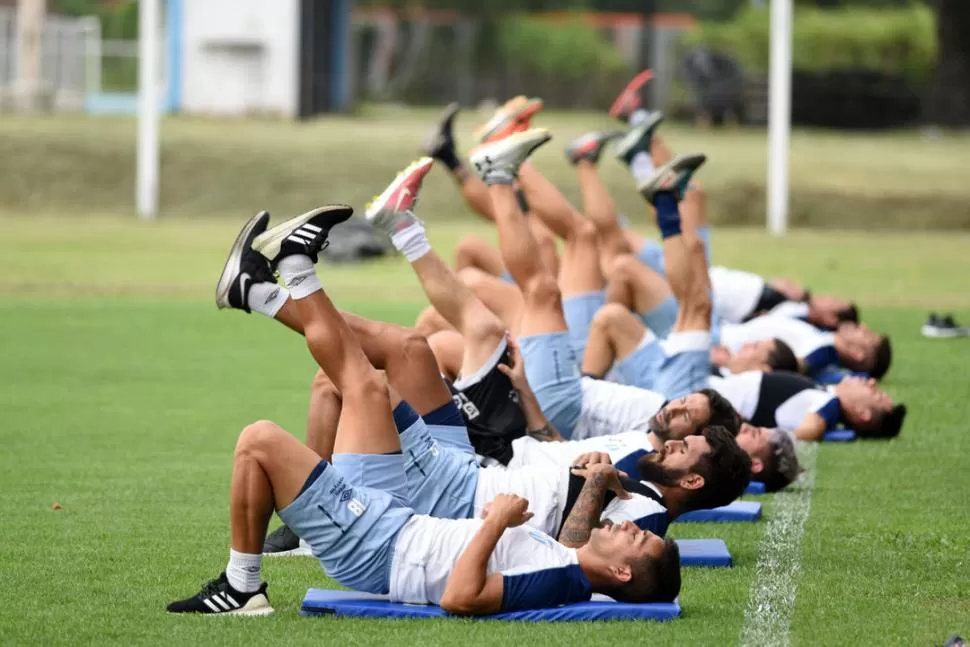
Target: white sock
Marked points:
642	167
411	241
638	116
267	298
299	275
244	571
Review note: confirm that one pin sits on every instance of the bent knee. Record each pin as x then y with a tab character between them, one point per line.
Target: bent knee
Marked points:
543	290
614	316
623	268
258	434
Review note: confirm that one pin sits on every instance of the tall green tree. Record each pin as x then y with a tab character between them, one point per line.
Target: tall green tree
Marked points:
949	101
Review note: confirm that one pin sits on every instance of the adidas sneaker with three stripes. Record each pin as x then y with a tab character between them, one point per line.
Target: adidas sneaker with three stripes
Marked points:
306	234
218	597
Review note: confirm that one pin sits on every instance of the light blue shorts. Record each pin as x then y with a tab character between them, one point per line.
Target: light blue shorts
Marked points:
687	367
662	318
679	365
430	478
579	310
352	530
553	374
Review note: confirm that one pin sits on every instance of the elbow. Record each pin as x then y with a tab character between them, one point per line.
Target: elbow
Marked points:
810	435
457	605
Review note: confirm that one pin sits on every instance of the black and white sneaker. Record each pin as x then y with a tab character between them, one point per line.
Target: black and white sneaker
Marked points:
304	235
637	139
441	140
937	327
219	598
244	267
673	177
283	542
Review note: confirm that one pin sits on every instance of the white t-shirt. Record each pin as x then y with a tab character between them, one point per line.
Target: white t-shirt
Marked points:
540	572
811	345
610	408
777	400
529	451
545	487
736	293
551	498
790	309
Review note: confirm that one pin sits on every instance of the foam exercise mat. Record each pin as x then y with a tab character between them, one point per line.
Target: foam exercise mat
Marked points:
710	553
733	512
321	602
839	436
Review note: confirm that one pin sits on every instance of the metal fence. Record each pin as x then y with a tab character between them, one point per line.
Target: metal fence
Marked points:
69	59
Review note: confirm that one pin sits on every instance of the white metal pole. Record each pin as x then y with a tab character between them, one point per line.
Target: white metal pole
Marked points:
148	100
779	115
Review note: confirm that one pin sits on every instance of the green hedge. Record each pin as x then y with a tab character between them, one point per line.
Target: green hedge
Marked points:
894	41
568	51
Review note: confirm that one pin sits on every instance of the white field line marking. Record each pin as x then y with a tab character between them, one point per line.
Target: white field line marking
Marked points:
767	618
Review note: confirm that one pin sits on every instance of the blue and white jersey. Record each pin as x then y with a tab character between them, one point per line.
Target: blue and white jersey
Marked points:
539	572
736	293
529	451
815	348
611	408
779	399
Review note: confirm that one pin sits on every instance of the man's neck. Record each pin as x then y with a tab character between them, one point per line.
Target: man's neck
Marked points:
655	442
673	499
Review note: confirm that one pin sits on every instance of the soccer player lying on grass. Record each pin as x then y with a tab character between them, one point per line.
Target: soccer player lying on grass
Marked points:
578	407
446	481
852	346
619	340
772	455
798	406
368	539
740	296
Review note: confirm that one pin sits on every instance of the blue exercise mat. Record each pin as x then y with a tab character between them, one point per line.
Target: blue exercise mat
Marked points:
839	436
320	602
711	553
755	487
734	511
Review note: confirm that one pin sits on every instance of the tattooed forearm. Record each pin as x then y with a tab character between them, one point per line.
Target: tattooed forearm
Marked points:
585	514
548	433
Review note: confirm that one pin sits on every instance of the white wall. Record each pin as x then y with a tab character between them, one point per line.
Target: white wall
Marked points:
240	56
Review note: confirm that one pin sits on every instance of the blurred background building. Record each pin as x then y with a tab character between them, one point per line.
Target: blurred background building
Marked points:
857	63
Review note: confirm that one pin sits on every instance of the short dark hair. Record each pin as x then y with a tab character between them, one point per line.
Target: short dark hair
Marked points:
726	470
653	580
850	314
884	425
884	357
722	412
782	358
780	467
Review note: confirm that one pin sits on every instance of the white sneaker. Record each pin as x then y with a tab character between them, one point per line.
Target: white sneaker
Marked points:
391	211
498	162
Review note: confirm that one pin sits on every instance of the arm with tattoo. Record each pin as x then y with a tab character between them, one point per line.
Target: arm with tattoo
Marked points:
586	512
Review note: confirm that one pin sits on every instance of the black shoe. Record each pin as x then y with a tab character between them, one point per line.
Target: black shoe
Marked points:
283	542
305	235
945	327
218	597
244	267
441	140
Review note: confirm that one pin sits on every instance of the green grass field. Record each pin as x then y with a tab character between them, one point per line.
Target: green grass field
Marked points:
124	390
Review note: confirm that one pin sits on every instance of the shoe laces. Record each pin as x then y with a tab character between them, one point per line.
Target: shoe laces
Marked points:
211	587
